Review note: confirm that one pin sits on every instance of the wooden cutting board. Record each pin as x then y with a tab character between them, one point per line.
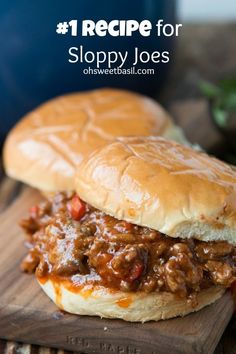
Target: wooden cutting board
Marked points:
27	314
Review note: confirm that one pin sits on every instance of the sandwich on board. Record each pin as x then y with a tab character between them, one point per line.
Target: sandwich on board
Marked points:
147	232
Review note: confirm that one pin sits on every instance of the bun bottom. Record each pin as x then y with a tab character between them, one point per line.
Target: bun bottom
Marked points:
133	307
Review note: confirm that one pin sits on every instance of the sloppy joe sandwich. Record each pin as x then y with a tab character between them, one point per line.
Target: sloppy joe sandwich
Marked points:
149	234
44	148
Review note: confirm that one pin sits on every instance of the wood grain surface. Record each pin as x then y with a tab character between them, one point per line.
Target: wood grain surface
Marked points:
27	315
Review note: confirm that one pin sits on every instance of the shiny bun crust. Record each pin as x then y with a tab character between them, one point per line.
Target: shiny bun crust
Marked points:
133	307
163	185
43	149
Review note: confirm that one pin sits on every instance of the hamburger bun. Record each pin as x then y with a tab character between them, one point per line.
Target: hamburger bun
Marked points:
133	307
153	182
43	149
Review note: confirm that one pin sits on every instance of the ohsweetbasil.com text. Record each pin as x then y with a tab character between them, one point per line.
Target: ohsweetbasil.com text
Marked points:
119	28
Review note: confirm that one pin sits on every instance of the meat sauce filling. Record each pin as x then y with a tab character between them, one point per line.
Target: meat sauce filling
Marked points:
68	238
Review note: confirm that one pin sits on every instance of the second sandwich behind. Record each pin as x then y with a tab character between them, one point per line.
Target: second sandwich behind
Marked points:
45	147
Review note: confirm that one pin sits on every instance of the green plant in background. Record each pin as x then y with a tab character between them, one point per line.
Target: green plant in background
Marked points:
222	104
222	99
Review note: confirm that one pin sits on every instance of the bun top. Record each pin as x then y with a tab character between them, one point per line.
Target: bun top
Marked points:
157	183
46	145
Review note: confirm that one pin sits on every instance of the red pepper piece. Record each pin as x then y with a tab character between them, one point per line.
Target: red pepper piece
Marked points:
76	208
136	271
34	211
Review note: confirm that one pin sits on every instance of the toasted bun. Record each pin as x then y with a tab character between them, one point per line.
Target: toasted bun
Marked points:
45	146
163	185
133	307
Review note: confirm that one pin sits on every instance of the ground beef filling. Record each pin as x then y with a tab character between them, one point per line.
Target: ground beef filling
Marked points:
68	238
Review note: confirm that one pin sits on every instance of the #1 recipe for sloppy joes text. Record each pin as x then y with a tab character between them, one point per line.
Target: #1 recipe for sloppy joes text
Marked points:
117	28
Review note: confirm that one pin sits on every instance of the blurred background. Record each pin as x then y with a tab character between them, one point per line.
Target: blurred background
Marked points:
200	89
207	10
198	85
